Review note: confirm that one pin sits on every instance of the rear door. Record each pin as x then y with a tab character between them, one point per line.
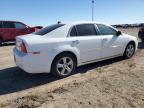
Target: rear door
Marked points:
112	45
1	30
7	29
85	38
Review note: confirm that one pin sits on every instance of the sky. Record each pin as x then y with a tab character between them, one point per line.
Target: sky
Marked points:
47	12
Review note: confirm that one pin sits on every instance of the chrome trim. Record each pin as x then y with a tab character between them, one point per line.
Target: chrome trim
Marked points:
97	60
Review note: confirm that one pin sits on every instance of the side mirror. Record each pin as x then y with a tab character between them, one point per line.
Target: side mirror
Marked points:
27	27
119	33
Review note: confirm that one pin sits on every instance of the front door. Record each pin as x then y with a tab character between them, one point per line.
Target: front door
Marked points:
111	43
20	29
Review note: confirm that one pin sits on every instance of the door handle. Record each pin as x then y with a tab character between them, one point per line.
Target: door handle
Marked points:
105	39
76	42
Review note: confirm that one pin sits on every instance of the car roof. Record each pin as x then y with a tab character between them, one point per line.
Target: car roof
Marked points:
9	21
71	24
12	21
64	30
85	22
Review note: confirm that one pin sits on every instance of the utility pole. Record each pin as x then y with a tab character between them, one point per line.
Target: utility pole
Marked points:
93	10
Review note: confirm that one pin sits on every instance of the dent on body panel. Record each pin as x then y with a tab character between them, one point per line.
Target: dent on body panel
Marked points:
116	42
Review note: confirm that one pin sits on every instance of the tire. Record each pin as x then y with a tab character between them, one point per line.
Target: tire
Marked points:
1	42
141	36
63	65
129	51
142	39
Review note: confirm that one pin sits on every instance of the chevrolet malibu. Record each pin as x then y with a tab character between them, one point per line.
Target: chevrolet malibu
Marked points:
60	48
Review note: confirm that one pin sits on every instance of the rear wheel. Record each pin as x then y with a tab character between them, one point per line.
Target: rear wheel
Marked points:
64	65
129	51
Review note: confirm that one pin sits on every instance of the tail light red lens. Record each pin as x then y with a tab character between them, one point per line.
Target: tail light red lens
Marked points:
23	47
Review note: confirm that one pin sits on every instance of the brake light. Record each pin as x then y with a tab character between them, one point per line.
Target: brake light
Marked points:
23	47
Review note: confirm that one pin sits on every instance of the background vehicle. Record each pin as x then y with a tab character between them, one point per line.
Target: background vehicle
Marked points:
10	29
141	34
60	48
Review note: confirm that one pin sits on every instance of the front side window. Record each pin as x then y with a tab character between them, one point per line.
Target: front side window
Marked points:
19	25
48	29
86	30
106	30
8	25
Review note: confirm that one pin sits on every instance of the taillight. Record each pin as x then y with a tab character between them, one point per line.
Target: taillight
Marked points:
22	47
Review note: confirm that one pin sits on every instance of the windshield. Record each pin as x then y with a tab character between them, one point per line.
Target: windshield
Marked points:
48	29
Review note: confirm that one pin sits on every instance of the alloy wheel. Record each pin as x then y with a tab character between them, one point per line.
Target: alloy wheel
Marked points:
65	66
130	50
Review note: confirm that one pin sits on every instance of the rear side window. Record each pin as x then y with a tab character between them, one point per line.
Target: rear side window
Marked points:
19	25
73	32
8	25
106	30
0	24
86	30
48	29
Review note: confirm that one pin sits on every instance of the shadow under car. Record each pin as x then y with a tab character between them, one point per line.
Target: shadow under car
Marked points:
14	79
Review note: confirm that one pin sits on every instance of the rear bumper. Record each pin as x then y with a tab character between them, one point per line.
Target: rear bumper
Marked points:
31	63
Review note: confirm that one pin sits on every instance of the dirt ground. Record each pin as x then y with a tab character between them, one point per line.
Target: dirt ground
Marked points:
114	83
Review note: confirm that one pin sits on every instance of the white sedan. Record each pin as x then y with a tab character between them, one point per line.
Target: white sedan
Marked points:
60	48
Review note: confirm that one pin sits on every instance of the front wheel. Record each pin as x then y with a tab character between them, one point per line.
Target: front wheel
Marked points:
64	65
129	51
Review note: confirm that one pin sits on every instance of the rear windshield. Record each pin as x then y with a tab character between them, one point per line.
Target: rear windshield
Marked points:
48	29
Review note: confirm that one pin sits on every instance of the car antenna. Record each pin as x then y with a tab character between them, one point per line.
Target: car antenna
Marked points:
59	22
